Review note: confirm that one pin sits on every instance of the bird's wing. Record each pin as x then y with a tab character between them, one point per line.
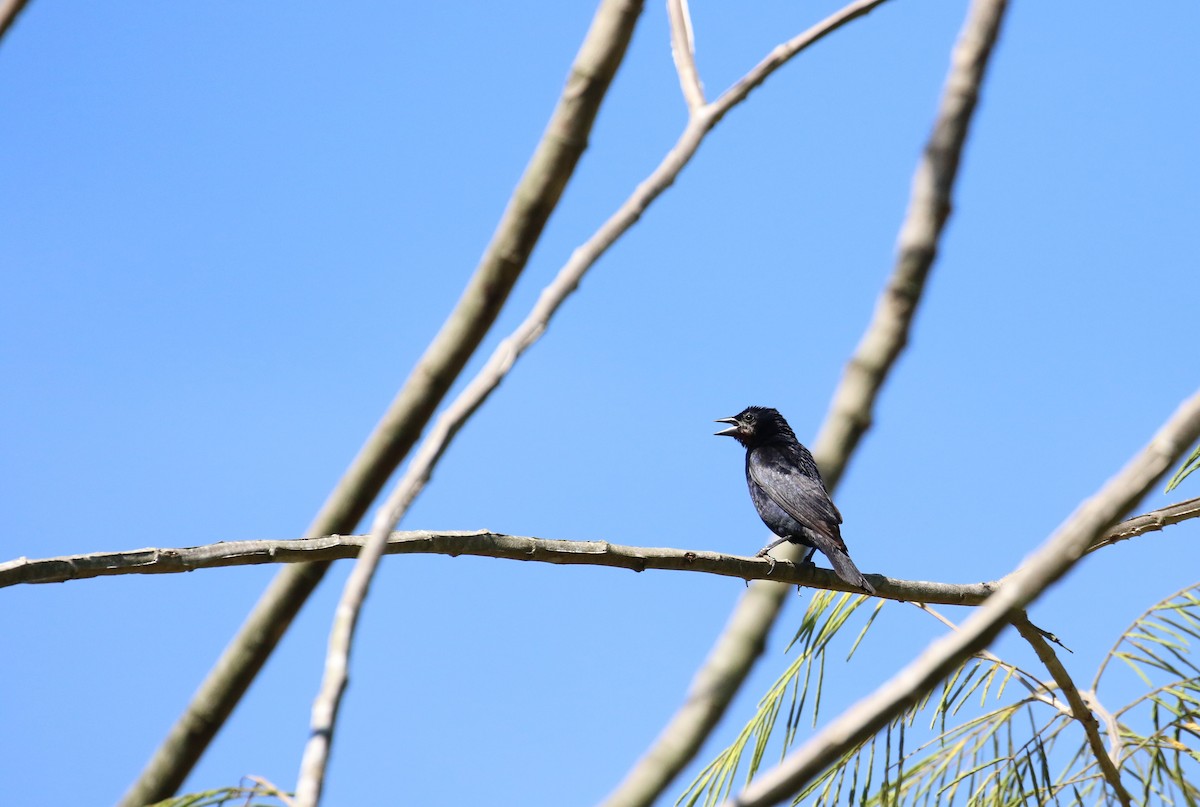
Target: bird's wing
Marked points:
800	496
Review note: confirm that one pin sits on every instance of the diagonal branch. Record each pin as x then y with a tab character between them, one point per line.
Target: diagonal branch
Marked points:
533	200
1115	744
9	10
1049	563
683	49
849	417
783	53
1079	709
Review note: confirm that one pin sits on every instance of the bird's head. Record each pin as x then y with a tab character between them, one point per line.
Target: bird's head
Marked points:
755	426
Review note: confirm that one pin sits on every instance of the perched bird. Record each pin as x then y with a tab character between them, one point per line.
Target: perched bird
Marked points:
787	490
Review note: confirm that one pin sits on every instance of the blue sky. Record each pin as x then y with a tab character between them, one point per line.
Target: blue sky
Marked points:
229	230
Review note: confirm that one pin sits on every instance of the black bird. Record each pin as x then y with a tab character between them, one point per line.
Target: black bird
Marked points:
787	490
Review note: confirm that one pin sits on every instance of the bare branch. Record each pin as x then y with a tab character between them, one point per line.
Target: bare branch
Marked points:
1043	568
1150	522
683	49
480	543
929	208
783	53
484	543
535	197
1115	744
1079	709
9	9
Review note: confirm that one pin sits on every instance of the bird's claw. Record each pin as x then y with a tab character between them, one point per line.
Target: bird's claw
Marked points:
767	555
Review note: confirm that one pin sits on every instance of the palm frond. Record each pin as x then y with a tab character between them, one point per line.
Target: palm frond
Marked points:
1191	464
800	684
990	757
1162	632
1159	729
245	795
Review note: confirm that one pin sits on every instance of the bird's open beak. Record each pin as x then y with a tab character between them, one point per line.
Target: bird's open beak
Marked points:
731	431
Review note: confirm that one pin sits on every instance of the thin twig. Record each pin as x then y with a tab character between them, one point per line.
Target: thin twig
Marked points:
533	200
683	49
1079	709
784	53
1044	567
484	543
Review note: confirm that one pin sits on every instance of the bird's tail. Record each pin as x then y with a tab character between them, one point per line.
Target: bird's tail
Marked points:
842	565
846	570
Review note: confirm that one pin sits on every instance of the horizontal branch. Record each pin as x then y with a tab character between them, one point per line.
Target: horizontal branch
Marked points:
483	543
1149	522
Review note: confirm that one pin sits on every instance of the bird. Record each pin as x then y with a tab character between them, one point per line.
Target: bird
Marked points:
787	490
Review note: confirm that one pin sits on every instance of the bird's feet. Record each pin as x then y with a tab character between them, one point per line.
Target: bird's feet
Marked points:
766	553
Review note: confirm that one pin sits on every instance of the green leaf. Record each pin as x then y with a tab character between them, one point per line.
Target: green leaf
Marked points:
1192	463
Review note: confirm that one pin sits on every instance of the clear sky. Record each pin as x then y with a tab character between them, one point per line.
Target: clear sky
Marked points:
229	229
